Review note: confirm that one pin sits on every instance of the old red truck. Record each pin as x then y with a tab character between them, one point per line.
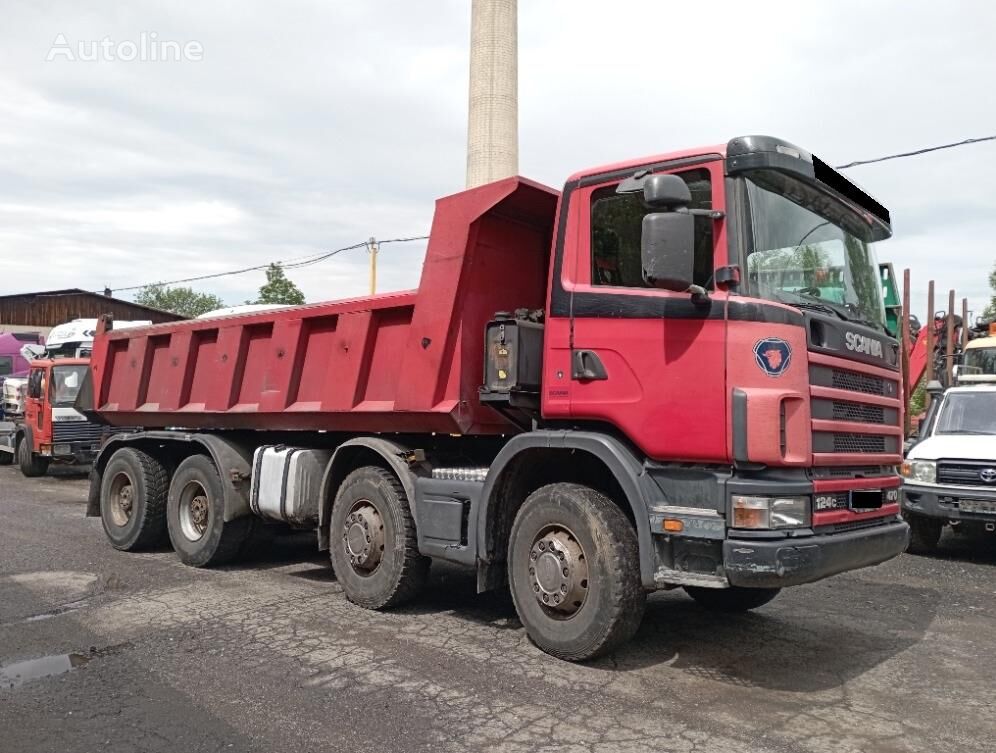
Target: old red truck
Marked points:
673	373
48	428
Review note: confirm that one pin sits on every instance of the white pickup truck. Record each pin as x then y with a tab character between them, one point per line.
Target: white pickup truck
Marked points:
950	473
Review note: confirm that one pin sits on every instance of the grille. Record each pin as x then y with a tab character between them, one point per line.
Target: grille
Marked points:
965	474
76	431
844	442
849	380
847	411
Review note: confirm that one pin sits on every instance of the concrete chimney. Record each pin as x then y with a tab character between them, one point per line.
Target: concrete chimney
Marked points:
493	124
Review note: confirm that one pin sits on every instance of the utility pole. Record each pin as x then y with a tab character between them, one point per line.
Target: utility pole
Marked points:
372	249
493	113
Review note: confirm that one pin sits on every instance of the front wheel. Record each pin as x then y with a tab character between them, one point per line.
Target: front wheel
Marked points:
733	599
574	572
32	464
195	516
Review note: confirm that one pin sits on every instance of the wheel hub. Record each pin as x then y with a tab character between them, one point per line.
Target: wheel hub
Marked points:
558	571
199	511
363	536
122	499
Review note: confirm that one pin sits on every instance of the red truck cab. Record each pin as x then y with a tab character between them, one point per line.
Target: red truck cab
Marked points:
674	373
52	430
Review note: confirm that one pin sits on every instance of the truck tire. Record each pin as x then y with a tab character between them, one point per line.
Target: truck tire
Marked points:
925	533
6	458
574	572
373	544
733	599
195	516
32	464
133	500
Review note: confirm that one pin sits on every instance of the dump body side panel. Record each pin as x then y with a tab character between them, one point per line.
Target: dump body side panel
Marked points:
406	362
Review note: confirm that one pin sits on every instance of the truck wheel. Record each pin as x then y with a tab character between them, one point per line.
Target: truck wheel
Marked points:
574	571
925	533
733	599
133	500
6	458
32	464
373	545
195	516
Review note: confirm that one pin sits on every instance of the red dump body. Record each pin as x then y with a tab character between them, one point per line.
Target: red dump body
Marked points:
407	362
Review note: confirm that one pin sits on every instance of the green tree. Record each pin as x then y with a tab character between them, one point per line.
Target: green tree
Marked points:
279	289
179	300
990	311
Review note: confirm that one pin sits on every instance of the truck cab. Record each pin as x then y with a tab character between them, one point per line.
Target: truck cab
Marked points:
950	473
51	429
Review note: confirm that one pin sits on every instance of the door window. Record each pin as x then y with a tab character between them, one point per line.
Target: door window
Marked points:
617	224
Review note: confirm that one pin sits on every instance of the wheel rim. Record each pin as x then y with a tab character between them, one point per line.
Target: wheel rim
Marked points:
363	537
194	510
122	499
558	572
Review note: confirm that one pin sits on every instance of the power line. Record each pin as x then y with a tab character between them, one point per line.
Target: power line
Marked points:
293	263
916	152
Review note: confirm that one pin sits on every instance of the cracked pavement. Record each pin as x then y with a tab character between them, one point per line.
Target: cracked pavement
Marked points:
269	656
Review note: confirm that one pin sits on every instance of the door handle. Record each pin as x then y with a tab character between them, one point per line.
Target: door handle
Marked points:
587	366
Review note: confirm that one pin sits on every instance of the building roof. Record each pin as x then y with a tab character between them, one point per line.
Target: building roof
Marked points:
48	308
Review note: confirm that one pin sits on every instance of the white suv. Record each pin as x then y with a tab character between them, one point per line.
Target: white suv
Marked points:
950	473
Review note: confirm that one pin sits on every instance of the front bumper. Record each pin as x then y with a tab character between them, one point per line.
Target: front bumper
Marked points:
945	502
754	563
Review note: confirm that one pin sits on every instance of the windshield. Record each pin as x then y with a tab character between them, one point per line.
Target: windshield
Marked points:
66	383
968	413
980	360
803	258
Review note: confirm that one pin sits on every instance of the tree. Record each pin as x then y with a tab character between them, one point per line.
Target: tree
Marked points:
990	311
279	289
183	301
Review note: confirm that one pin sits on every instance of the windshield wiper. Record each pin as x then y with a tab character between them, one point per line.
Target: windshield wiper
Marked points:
815	303
974	432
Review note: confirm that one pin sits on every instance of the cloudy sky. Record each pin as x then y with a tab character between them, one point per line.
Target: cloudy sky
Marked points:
308	126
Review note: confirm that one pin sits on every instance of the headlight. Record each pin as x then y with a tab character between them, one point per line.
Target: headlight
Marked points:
770	512
920	470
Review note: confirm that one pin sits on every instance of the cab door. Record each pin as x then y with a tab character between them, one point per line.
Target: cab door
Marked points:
648	361
34	406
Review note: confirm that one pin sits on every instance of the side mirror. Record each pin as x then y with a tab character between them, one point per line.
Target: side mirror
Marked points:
667	249
666	191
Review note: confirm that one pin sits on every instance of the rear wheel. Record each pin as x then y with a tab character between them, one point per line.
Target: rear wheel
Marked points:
733	599
133	500
574	572
195	516
32	464
925	533
373	543
6	458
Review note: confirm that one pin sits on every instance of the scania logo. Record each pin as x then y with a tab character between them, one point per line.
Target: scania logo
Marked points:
772	355
863	344
988	475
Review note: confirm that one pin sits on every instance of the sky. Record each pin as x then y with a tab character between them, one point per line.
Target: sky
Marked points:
292	128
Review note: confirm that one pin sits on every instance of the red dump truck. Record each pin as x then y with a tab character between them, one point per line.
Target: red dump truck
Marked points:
673	373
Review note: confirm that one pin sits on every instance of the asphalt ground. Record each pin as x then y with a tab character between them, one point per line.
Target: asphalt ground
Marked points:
106	651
